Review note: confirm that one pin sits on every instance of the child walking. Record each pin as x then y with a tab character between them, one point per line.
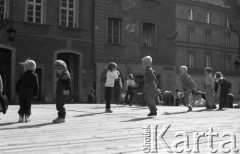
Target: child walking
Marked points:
27	88
188	85
130	84
150	85
63	89
112	75
209	85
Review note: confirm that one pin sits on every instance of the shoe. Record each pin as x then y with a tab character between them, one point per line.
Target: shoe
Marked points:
21	119
214	107
130	104
26	119
189	109
59	120
152	114
108	111
219	108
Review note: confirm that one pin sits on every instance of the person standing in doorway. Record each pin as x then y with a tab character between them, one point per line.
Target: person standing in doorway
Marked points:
130	84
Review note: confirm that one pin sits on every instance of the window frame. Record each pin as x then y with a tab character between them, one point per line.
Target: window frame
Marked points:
6	9
191	60
34	3
208	36
112	36
227	40
227	62
226	21
190	14
144	44
208	61
190	34
67	9
207	17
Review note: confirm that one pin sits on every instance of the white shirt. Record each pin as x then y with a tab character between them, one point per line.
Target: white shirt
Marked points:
111	76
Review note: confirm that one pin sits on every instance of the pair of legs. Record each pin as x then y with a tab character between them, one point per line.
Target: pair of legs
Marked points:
108	97
210	98
26	96
150	99
186	99
60	102
129	95
222	99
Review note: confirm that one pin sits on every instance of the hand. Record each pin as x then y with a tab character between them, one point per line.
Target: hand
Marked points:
65	92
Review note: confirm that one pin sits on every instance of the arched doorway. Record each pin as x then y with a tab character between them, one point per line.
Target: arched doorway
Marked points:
72	61
6	69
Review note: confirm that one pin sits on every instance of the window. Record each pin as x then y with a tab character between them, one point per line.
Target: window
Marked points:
68	13
114	31
190	34
227	63
34	11
190	14
3	9
207	18
191	61
226	22
227	40
208	61
148	35
207	37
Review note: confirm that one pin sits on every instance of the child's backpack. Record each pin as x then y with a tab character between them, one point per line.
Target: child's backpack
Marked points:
225	85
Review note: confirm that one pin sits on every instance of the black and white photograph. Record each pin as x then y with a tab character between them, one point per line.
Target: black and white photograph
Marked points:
119	76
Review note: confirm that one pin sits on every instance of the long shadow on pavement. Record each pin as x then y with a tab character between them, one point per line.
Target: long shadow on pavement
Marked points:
138	119
90	114
170	113
30	126
9	123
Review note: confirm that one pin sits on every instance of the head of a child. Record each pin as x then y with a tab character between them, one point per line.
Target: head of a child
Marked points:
208	71
183	70
130	77
199	95
111	66
146	62
59	66
218	75
29	65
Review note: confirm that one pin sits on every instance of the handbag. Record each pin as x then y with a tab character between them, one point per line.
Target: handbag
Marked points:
4	103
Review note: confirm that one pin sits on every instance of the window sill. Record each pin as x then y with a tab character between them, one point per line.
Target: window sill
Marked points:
36	24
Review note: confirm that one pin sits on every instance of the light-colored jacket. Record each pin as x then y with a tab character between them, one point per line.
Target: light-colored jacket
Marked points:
111	76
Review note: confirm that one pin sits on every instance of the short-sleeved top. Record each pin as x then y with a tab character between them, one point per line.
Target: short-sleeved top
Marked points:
111	76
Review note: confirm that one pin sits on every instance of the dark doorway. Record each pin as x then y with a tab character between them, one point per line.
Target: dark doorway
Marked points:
39	73
5	70
72	61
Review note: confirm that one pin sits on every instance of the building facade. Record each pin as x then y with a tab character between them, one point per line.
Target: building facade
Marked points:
46	31
205	40
126	31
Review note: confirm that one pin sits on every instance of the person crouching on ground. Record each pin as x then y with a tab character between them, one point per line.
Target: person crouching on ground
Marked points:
150	85
112	75
27	88
209	84
188	85
63	89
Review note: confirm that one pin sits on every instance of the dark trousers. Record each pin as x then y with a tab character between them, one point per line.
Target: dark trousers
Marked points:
108	96
26	96
61	100
223	99
116	94
129	93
